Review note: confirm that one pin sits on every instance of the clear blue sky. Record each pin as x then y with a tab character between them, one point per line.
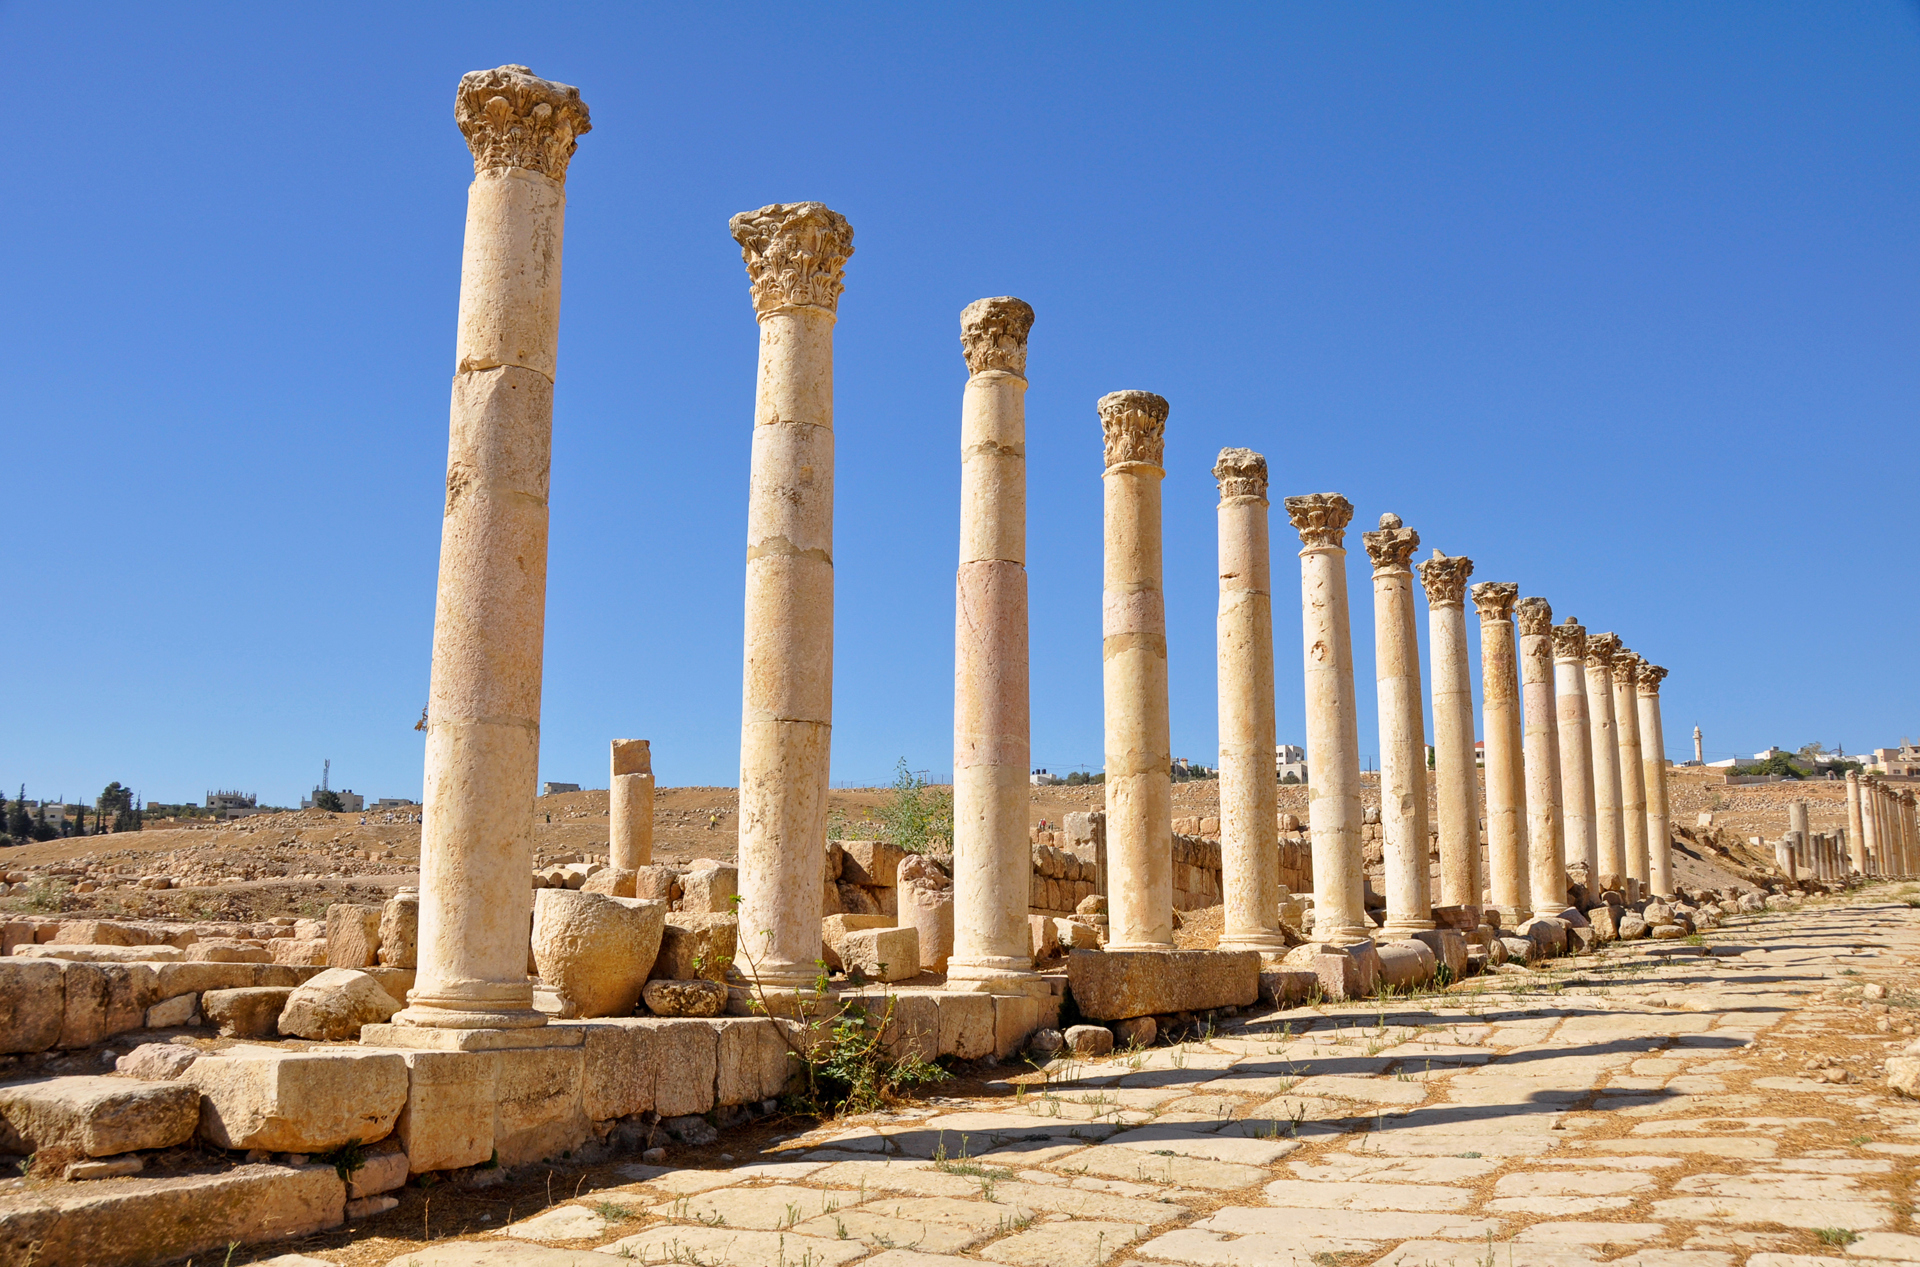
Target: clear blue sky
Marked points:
1619	300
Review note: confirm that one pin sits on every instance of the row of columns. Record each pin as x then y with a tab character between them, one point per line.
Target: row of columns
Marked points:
1883	826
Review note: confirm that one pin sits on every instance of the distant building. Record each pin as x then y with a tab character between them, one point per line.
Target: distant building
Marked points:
233	804
1289	759
1902	762
1040	778
351	802
554	789
392	802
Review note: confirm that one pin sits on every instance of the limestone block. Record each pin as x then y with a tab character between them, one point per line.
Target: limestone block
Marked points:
966	1025
1114	985
395	981
696	997
156	1062
538	1108
612	882
883	954
99	932
13	934
834	930
833	862
1669	932
617	1066
99	954
830	899
225	950
855	900
914	1027
1631	926
694	946
297	1102
102	1000
65	1118
1449	947
1405	965
1658	914
1546	932
334	1006
175	1012
353	935
32	1005
400	930
1903	1075
1604	921
929	911
874	863
379	1172
1342	972
660	883
1077	934
447	1119
1520	949
1088	1041
710	889
1043	938
1017	1016
752	1061
687	1053
594	950
195	978
249	1012
1282	987
301	951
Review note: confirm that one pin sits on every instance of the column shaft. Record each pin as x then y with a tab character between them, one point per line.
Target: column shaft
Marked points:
1603	745
1503	756
1633	785
1455	777
1576	756
630	805
1856	831
1403	738
1546	835
1870	837
1653	765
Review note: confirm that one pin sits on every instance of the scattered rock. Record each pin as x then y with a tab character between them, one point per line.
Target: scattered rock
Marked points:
1139	1031
692	1130
1046	1043
156	1062
685	998
333	1006
1088	1041
248	1012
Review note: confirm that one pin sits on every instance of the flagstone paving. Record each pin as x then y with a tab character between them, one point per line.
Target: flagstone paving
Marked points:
1646	1107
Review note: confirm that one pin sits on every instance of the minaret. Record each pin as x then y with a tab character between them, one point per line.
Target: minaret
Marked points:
1699	757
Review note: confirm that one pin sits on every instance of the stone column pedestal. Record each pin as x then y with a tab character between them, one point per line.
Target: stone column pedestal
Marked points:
1576	754
1455	772
1249	822
795	255
1633	786
1403	739
1546	838
1653	768
1503	760
630	806
483	712
1133	650
992	949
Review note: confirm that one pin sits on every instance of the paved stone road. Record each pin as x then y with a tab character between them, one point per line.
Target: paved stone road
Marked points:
1650	1107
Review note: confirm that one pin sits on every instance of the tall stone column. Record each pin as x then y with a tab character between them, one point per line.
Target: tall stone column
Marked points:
1797	818
630	805
1455	777
1856	831
1653	766
1403	730
1249	822
1871	838
1333	728
489	620
1633	786
795	255
1603	743
992	948
1503	757
1546	835
1576	756
1133	653
1910	828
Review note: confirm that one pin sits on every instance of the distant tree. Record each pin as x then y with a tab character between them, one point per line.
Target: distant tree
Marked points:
1291	778
1815	751
1778	764
42	829
19	822
329	800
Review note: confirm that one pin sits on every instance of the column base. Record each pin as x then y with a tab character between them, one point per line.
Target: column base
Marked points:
471	1005
1263	941
1405	927
996	976
1140	945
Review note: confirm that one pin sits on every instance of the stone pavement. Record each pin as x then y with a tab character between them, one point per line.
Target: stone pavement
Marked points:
1661	1105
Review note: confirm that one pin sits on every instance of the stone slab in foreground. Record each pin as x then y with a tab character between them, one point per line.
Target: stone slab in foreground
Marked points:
1113	985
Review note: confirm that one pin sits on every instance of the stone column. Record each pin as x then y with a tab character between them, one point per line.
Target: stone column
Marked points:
1546	836
1910	827
1249	822
1403	730
1502	757
1856	830
1333	734
1604	748
992	864
1797	819
1653	766
1871	838
795	255
1455	778
630	806
1576	757
1783	857
1633	786
1133	653
489	621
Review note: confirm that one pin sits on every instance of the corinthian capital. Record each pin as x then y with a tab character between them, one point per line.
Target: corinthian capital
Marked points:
1495	599
513	118
993	334
1320	518
1241	473
796	255
1569	640
1135	426
1391	547
1445	579
1536	616
1626	666
1649	677
1601	648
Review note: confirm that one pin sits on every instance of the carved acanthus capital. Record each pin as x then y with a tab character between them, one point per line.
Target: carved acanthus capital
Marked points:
1494	600
1601	648
1626	666
1321	519
1391	547
1241	473
1569	640
993	334
1649	677
1536	616
1135	427
1445	579
796	255
513	118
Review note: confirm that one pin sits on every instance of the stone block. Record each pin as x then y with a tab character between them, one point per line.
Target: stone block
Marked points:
1546	932
196	978
1113	985
379	1172
1520	949
1089	1041
618	1064
353	935
1903	1076
929	911
102	1000
695	945
1043	938
1343	972
63	1119
400	930
1631	926
224	950
538	1109
611	882
32	1005
1017	1016
98	932
710	889
177	1011
249	1012
966	1025
1286	987
834	929
1669	932
1459	918
14	934
447	1119
301	951
752	1061
882	954
1405	965
395	981
1604	920
156	1062
167	1219
687	1053
874	863
335	1006
1449	947
297	1101
853	899
680	997
659	883
99	954
914	1027
594	951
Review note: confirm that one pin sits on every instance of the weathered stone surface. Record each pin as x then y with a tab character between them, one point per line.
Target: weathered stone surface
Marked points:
1405	965
225	950
400	930
246	1013
1138	1031
447	1118
1903	1075
873	863
752	1060
1088	1041
32	1005
156	1061
709	889
300	951
929	912
102	1000
660	883
174	1012
834	930
696	945
1114	985
1628	926
595	951
334	1006
297	1102
882	954
697	997
538	1109
65	1118
611	882
618	1066
353	935
79	953
687	1052
395	981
